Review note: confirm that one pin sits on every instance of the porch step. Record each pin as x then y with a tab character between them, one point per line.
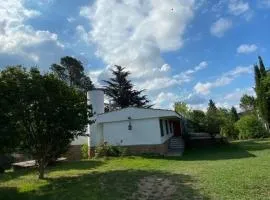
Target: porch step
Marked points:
176	143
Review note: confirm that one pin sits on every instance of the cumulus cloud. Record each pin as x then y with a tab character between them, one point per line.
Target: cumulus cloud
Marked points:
219	27
165	100
177	79
238	7
135	33
225	79
247	48
17	38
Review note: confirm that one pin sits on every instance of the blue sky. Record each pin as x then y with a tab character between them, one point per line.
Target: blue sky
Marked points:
178	50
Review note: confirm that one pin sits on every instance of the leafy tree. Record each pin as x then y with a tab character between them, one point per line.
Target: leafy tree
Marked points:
247	103
198	120
262	92
182	108
234	115
212	119
121	90
250	127
47	114
10	91
227	118
71	71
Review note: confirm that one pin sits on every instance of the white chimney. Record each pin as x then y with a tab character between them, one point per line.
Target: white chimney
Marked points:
95	98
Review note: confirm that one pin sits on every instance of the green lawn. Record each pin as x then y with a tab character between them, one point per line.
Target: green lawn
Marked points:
237	171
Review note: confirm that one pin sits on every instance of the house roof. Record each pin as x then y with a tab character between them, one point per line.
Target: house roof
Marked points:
135	113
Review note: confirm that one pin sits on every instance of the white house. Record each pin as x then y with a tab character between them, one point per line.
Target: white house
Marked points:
140	130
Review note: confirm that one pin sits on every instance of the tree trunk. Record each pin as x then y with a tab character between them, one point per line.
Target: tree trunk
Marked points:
41	167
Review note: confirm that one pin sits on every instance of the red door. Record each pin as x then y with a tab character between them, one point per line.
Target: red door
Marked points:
177	128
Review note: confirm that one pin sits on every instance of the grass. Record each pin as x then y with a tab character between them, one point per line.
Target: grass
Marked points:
240	170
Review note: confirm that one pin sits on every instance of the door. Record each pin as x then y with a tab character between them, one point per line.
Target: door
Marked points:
177	128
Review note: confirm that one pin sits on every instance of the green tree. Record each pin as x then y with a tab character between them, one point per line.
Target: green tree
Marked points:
71	71
234	115
47	114
212	119
10	91
198	120
182	108
247	103
262	92
227	118
121	90
250	127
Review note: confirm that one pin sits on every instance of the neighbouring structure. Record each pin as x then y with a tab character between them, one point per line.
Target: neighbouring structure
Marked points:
140	130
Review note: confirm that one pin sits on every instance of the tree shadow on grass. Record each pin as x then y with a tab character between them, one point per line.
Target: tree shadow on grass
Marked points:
254	145
211	152
113	185
217	152
59	166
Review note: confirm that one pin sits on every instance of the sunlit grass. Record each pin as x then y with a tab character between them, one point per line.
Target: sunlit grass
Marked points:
240	170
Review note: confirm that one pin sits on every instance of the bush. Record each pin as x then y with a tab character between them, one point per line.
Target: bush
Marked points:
250	127
229	130
105	150
5	162
84	151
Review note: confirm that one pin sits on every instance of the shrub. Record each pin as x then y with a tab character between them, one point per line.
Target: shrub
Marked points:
84	151
229	130
250	127
105	150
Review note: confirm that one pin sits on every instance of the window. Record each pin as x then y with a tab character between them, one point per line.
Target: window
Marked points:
171	127
161	127
167	126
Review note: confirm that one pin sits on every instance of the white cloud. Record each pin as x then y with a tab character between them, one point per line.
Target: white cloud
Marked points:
225	79
201	66
16	38
238	7
219	27
165	81
238	93
134	33
71	19
247	48
264	3
165	68
165	100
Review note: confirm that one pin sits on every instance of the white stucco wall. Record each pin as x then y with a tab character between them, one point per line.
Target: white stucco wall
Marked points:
144	131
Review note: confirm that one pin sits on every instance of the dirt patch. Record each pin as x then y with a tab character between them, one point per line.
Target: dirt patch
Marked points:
153	187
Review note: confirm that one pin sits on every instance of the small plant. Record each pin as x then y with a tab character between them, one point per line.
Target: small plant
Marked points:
84	151
105	150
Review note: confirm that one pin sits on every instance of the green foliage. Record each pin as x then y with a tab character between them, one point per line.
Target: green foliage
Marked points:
234	115
10	91
182	108
198	121
262	87
247	103
121	90
212	119
71	71
105	150
250	127
46	113
84	151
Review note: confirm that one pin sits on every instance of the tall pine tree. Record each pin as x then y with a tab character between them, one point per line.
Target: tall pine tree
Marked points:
121	90
212	118
71	71
262	92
